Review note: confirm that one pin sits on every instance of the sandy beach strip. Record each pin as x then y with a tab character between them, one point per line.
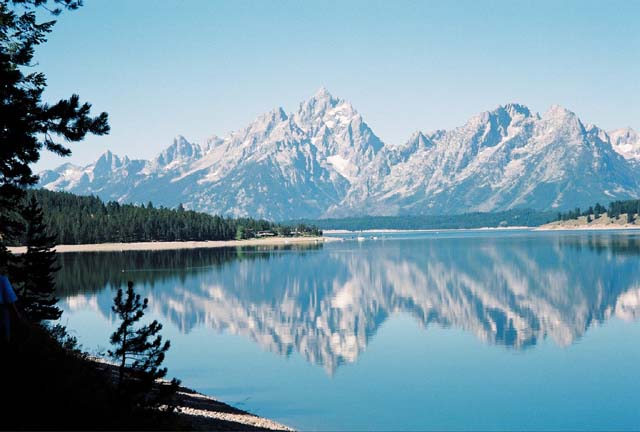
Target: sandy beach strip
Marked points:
155	246
426	230
587	228
602	223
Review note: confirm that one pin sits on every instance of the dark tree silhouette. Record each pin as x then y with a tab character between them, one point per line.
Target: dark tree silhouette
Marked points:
38	268
86	219
27	124
614	211
139	351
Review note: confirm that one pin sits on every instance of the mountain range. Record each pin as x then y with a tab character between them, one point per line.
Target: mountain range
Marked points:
323	160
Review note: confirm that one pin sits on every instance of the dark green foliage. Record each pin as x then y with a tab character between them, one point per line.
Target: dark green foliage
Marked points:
27	125
37	268
86	219
139	351
524	217
617	208
614	211
241	233
284	231
598	210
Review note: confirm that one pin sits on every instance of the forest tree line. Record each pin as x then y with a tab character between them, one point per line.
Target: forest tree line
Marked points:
517	217
614	211
77	219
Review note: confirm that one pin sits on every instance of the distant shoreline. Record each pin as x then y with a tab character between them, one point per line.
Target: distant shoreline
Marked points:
587	228
602	222
155	246
391	230
283	241
546	227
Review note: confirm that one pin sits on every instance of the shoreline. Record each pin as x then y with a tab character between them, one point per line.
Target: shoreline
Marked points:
603	222
546	227
173	245
392	230
204	412
285	241
587	228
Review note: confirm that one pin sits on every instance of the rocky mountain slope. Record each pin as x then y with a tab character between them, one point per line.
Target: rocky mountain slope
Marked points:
324	160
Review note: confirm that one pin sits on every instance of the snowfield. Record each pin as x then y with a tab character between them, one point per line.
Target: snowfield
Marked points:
324	160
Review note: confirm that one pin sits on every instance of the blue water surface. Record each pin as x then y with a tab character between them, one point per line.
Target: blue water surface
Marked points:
452	330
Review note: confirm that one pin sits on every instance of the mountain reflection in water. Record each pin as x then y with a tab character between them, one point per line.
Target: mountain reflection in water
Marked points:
327	302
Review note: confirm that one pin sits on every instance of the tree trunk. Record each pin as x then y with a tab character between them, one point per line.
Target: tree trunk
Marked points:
123	363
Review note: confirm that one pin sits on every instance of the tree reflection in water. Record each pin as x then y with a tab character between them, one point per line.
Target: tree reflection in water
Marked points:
326	302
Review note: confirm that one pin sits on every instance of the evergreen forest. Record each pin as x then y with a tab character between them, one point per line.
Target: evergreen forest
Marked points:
77	219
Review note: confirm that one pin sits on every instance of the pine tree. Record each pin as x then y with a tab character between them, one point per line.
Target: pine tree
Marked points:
139	351
28	125
37	268
240	233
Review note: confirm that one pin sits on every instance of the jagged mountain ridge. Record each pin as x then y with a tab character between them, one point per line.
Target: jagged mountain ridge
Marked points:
324	160
626	141
503	159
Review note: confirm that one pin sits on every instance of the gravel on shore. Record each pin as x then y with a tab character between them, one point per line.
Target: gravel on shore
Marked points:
204	412
208	412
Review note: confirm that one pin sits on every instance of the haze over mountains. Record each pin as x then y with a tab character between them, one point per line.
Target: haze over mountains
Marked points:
323	160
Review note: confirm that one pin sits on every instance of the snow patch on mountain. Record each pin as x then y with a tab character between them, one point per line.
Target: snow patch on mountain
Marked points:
345	168
626	141
323	160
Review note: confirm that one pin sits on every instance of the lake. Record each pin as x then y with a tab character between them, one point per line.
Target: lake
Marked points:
499	330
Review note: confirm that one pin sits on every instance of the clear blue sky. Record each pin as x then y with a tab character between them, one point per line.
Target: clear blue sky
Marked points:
197	68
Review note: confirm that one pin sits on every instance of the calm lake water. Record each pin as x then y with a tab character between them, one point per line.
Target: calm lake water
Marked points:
453	330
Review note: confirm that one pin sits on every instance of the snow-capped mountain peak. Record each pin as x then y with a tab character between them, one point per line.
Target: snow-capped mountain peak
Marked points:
179	152
324	160
516	110
323	110
265	123
559	116
321	93
416	140
108	162
626	141
558	111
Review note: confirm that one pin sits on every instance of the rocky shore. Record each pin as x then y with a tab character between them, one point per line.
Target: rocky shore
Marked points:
206	413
